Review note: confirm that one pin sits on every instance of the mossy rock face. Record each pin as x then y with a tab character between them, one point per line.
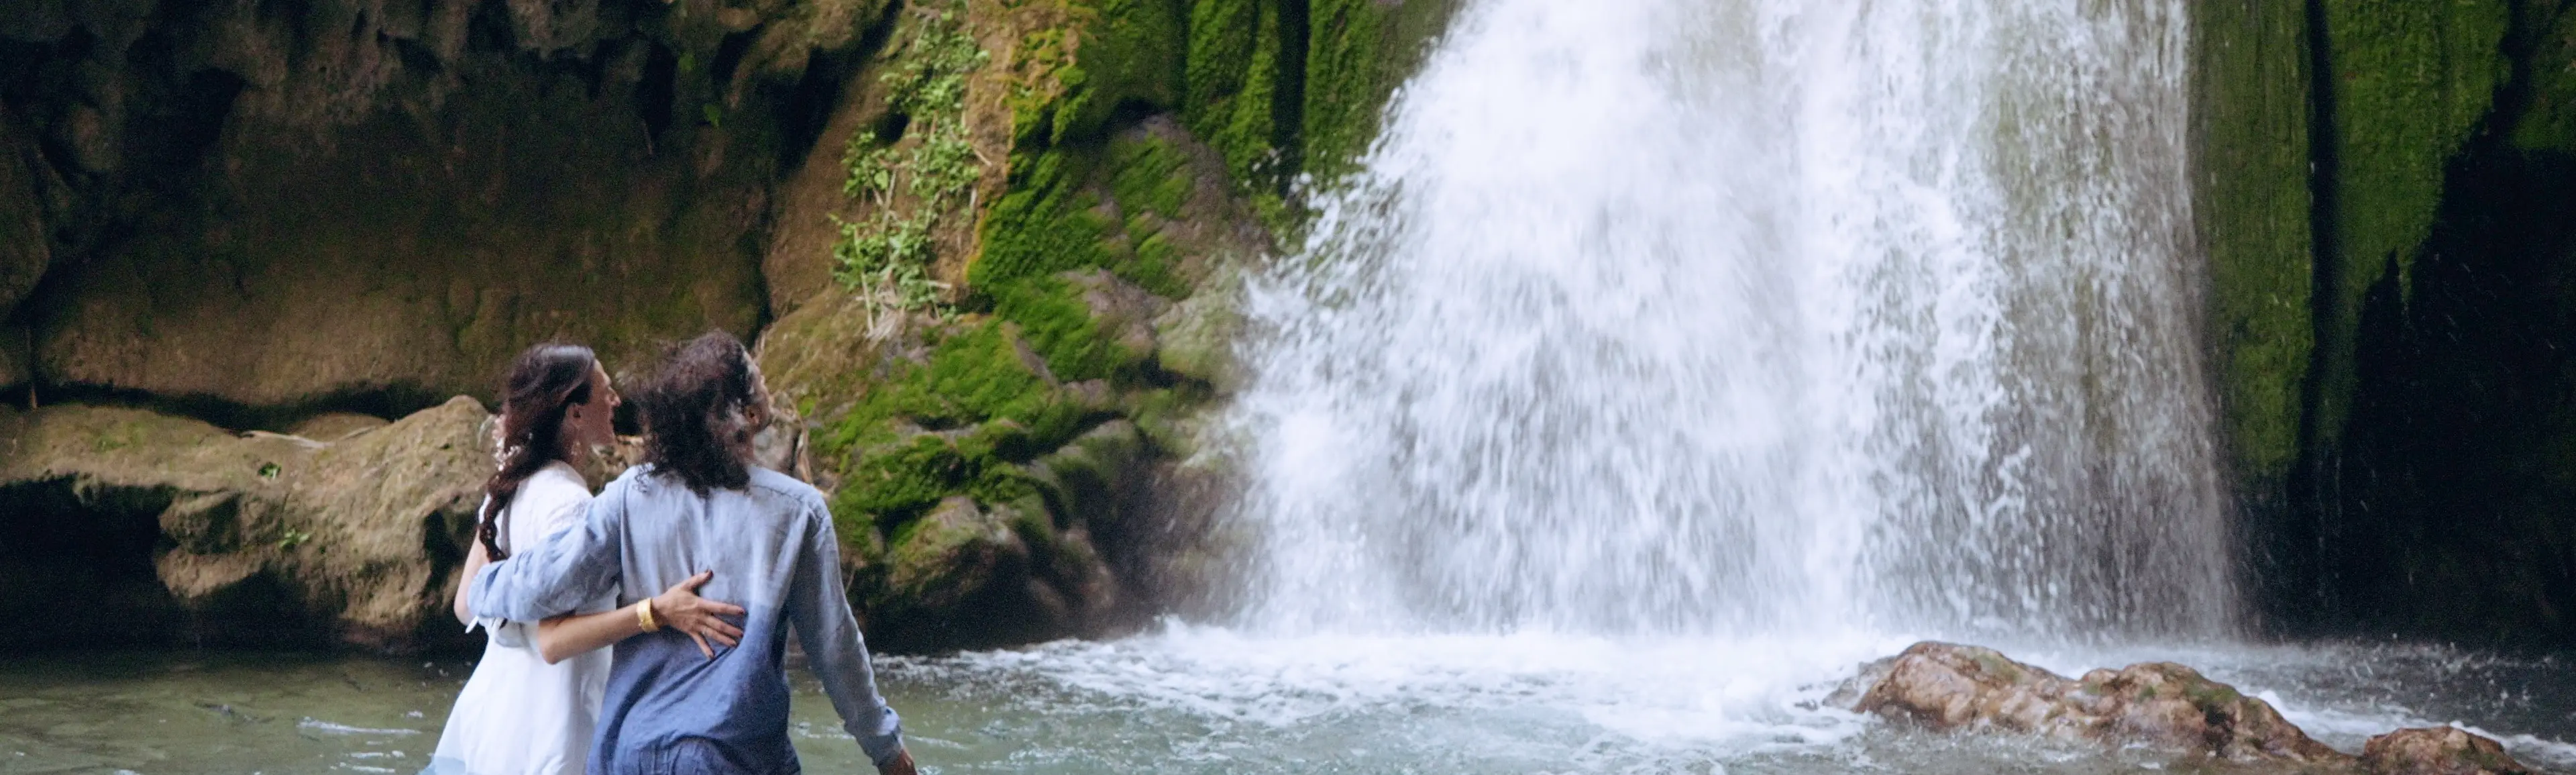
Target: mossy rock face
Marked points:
2253	212
1244	79
201	535
1130	158
1359	51
1074	64
1151	206
1196	335
937	563
2411	82
964	576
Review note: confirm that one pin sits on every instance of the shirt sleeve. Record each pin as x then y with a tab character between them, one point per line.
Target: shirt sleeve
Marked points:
575	564
515	633
818	604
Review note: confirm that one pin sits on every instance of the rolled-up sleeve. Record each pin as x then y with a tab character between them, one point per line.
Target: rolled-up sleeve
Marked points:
573	566
818	605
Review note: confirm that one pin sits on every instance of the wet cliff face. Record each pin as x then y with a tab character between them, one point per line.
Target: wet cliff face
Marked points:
272	207
2385	204
984	247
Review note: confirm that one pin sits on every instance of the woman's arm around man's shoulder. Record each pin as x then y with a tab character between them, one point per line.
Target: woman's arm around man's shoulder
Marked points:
577	564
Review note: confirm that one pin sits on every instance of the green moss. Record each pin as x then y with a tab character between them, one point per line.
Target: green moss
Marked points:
1149	174
2411	81
1358	52
902	478
933	563
1243	79
1058	216
1060	327
1045	225
974	377
2253	210
1107	54
970	412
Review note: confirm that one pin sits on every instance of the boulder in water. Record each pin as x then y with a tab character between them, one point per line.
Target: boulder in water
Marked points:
2161	705
1944	686
2437	751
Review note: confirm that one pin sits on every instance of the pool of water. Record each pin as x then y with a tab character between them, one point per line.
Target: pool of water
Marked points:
1189	700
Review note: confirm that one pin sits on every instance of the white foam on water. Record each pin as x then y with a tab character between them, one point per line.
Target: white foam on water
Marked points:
330	728
1740	695
1621	703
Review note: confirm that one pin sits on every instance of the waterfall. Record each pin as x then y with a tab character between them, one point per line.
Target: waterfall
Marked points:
1693	316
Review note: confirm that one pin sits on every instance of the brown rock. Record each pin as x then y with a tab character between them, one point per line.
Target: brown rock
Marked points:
17	365
357	536
24	249
386	262
1947	687
334	426
2437	751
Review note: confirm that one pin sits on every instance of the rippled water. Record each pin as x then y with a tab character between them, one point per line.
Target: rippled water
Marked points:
1214	701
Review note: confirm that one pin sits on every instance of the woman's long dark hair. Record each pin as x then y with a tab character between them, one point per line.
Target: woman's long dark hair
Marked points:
544	382
700	409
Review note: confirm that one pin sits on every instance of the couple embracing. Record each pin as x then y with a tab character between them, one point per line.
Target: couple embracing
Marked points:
556	574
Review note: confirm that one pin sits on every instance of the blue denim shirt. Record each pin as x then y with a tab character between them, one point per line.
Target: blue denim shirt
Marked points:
669	708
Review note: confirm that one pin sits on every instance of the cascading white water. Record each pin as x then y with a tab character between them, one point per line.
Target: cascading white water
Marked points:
1680	316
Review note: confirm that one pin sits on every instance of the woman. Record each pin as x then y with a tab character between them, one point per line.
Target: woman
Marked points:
696	503
521	713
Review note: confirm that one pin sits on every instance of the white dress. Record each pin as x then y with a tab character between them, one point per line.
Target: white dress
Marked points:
519	715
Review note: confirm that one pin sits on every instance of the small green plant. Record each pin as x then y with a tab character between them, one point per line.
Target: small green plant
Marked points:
292	538
269	470
915	177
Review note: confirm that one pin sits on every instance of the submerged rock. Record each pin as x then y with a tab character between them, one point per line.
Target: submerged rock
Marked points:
1949	687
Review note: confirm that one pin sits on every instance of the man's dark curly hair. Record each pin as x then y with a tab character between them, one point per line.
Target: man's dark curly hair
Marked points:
700	408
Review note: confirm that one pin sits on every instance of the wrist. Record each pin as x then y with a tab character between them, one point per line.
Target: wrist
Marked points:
644	616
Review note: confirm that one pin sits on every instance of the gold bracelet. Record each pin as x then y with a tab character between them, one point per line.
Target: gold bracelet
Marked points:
644	616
